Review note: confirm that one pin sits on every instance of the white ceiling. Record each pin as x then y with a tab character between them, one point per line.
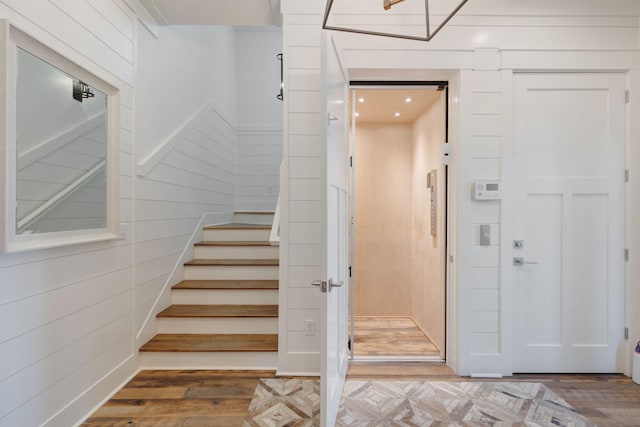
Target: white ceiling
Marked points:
381	105
215	12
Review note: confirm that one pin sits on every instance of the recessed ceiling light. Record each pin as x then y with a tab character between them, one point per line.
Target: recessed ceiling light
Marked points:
360	99
397	114
356	114
408	100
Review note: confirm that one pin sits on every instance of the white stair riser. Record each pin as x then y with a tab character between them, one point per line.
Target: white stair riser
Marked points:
236	252
226	235
248	218
209	360
237	325
219	272
224	296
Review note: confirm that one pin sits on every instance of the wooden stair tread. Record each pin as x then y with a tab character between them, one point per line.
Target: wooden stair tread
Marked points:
238	226
254	212
239	310
212	342
227	284
234	262
232	243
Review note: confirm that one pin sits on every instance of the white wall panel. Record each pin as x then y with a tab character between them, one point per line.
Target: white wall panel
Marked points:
485	147
304	145
304	167
300	234
485	168
479	43
304	189
298	275
304	254
485	343
70	311
303	80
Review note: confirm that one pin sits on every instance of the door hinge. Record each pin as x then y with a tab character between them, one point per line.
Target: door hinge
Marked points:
627	96
626	175
350	272
350	161
626	333
626	254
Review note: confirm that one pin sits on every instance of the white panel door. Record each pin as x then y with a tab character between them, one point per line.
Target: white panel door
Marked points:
335	227
569	214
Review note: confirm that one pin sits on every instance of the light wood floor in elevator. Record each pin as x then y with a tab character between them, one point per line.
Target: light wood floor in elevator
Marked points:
391	337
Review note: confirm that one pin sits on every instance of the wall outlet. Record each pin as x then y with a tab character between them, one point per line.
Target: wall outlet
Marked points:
309	327
124	231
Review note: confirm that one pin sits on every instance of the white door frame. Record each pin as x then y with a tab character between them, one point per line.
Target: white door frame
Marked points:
451	255
507	273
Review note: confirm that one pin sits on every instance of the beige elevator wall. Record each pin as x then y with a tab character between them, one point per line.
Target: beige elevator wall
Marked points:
383	211
428	252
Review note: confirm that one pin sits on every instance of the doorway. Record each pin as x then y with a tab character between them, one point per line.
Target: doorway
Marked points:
399	212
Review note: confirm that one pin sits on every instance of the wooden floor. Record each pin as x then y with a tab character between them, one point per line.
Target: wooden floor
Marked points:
181	398
221	398
389	337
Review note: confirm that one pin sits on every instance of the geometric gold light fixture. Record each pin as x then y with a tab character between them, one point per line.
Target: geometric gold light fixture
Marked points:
402	19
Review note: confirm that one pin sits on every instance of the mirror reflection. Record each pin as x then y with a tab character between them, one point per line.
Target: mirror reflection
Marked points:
61	143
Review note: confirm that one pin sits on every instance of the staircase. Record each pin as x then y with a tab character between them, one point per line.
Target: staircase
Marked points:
224	315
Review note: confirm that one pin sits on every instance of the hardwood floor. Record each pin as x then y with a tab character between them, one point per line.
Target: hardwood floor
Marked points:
222	398
181	398
390	336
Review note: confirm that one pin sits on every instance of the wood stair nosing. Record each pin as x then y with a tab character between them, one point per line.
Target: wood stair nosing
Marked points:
234	243
234	262
238	226
254	213
226	284
212	343
219	311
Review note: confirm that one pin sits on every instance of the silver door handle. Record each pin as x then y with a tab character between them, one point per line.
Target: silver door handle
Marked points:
335	285
321	284
519	261
326	286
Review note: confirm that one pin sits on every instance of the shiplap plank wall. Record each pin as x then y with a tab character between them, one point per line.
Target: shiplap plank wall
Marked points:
259	158
67	312
196	177
300	229
76	315
481	44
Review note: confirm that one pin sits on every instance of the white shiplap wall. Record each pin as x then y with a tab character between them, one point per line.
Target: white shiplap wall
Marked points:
300	193
74	316
259	115
259	158
480	50
66	313
195	178
189	179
